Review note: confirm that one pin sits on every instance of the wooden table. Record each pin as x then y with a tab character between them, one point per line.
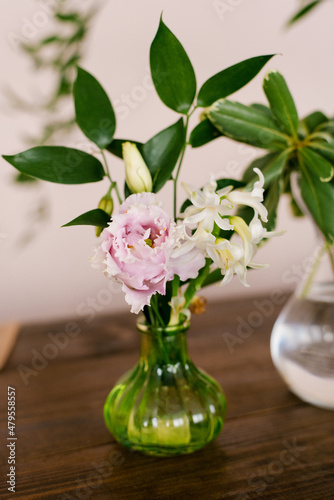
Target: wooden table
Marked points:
273	445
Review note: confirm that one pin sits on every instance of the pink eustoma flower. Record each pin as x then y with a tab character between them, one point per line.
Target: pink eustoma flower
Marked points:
137	250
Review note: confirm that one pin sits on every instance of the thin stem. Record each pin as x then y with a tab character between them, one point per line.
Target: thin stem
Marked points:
117	193
331	255
113	183
180	161
196	284
151	315
154	305
310	279
162	348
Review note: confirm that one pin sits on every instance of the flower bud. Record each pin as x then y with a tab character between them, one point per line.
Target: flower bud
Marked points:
137	175
106	204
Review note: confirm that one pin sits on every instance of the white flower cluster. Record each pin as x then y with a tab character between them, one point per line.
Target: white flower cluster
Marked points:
213	210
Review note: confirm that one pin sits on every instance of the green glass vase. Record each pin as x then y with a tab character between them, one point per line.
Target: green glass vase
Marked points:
165	405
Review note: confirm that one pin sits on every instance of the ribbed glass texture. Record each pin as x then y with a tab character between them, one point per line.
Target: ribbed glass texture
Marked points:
165	405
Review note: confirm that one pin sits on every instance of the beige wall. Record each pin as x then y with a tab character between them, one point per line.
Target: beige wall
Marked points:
51	277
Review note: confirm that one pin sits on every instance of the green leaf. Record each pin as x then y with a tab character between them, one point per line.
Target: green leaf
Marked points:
271	165
127	191
222	183
230	80
96	217
271	200
246	213
326	149
94	112
212	278
295	209
70	17
263	109
249	174
328	127
247	124
319	199
51	39
24	179
281	102
313	120
115	147
303	11
172	72
203	133
316	163
58	164
162	151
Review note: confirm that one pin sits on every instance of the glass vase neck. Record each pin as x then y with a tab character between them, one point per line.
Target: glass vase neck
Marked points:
165	345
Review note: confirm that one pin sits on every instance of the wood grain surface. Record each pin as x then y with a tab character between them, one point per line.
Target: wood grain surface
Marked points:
273	445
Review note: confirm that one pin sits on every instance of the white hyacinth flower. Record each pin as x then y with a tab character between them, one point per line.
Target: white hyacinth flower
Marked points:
253	199
208	208
213	209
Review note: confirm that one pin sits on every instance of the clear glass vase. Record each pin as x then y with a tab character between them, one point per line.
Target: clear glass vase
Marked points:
165	405
302	341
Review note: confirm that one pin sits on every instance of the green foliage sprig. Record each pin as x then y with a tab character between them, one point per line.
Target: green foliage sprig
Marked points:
305	146
60	51
305	9
175	82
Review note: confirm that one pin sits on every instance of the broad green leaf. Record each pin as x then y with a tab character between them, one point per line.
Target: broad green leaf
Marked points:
260	163
115	147
222	183
58	164
274	168
203	133
313	120
281	102
230	80
319	199
246	213
303	11
263	109
96	217
295	209
316	163
326	149
93	110
328	127
247	124
162	151
127	191
271	165
172	72
271	201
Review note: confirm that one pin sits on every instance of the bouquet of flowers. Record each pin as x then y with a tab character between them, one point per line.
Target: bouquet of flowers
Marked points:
161	261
